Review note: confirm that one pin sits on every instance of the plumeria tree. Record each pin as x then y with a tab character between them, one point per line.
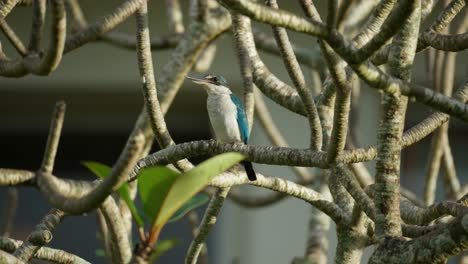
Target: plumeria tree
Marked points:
360	43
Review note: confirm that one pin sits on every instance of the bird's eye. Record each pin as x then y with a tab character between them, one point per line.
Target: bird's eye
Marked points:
215	79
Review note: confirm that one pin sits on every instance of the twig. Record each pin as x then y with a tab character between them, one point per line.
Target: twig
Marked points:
44	253
451	180
262	201
9	212
197	36
53	138
37	28
412	135
343	12
287	187
174	15
13	38
103	25
72	196
296	75
10	177
10	259
332	12
305	56
412	214
41	235
352	186
148	81
433	164
194	223
242	28
6	6
75	198
273	132
104	236
206	58
208	221
454	43
342	104
443	20
319	224
42	64
367	71
443	72
78	20
117	233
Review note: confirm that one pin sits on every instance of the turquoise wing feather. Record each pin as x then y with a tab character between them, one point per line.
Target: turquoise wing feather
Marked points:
241	119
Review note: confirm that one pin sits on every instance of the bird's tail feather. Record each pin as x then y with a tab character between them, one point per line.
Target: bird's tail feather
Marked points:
249	170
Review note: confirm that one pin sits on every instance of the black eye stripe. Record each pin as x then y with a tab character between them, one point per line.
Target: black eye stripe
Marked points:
217	80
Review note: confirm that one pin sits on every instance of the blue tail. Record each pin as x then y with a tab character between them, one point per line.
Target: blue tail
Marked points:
249	170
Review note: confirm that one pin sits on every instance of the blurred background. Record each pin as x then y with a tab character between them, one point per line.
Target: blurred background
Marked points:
100	84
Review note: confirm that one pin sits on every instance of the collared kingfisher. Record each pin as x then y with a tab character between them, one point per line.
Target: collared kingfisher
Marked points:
227	115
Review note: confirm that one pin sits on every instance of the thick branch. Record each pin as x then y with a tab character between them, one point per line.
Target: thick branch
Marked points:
257	154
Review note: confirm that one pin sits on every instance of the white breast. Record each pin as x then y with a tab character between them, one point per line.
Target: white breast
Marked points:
223	118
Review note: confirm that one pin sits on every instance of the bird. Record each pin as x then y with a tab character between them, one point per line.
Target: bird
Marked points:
226	113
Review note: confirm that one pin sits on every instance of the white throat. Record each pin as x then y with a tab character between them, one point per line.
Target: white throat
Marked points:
213	89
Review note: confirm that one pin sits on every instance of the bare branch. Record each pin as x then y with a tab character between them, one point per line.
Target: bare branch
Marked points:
296	75
39	10
117	232
75	198
13	38
7	258
242	36
6	6
275	17
10	177
53	139
41	235
257	154
412	214
44	253
458	42
174	15
9	212
42	64
272	131
148	81
287	187
208	221
103	25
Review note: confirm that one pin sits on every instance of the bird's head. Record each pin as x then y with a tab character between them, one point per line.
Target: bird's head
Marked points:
213	83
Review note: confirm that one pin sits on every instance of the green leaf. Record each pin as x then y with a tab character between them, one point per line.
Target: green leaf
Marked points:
162	247
153	185
102	170
99	169
100	252
194	202
188	184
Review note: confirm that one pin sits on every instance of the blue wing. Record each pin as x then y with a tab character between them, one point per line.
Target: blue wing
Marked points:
241	119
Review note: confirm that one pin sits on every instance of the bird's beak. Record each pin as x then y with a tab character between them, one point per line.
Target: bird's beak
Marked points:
197	80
